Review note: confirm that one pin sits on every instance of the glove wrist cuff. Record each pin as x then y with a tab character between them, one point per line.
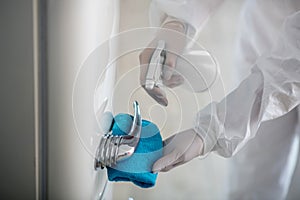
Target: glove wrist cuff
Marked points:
175	21
208	141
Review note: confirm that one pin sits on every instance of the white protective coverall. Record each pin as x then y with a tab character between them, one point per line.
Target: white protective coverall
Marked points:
264	105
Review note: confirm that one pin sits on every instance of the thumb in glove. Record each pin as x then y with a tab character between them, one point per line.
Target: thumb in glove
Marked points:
179	149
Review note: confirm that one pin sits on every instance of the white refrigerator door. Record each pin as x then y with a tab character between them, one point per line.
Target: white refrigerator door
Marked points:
74	30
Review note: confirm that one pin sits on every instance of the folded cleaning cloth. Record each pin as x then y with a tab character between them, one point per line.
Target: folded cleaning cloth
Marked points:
138	167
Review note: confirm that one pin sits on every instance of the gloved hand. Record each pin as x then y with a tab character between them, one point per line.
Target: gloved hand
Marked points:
179	149
175	42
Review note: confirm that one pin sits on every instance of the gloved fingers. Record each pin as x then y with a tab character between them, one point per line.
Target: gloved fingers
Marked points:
181	141
144	62
169	65
179	149
168	140
176	143
168	168
145	58
175	81
175	41
182	157
158	95
166	161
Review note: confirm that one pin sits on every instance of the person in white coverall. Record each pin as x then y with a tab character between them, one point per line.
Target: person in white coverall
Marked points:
264	106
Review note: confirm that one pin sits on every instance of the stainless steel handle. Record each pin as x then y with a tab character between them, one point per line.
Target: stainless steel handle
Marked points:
113	148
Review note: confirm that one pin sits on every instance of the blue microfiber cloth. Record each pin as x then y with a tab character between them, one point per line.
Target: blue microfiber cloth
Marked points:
138	167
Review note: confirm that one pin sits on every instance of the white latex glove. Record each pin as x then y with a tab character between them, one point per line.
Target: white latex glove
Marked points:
179	149
175	41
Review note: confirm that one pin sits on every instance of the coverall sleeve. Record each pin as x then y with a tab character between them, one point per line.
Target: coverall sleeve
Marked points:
271	90
195	13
